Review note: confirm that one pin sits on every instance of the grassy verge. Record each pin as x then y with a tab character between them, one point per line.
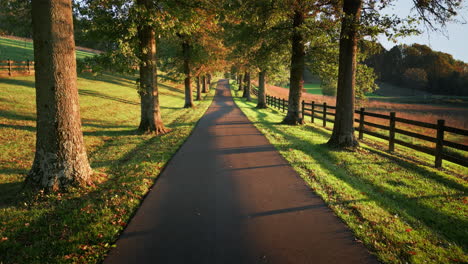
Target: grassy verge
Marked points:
81	225
404	212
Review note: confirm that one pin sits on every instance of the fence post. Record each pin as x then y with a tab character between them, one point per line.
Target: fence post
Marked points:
283	104
29	68
9	67
324	114
302	110
439	143
312	112
391	136
361	123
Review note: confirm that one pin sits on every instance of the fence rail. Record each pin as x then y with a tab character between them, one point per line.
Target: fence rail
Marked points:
321	111
11	67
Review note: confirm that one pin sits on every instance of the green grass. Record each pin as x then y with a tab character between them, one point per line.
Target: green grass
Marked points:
403	210
81	225
313	88
18	50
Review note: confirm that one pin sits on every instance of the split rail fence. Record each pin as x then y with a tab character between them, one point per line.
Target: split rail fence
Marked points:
322	112
10	68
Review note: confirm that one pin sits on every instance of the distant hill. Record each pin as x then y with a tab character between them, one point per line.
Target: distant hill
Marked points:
420	69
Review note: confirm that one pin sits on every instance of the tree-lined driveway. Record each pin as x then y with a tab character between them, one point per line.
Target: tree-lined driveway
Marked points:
228	196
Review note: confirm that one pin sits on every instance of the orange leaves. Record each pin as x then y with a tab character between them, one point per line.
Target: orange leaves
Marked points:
88	209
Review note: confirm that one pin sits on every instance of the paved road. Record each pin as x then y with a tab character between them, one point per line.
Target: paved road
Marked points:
228	196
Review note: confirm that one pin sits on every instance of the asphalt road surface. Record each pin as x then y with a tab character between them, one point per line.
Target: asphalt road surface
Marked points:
228	196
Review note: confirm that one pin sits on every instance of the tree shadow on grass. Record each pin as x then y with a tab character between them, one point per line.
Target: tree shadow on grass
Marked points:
63	218
25	83
9	191
170	88
105	96
63	221
417	212
19	127
16	116
112	133
109	78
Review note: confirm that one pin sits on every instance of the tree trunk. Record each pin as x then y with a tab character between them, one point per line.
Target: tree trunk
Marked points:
151	121
207	85
296	79
241	85
204	90
245	84
198	89
261	90
209	79
60	159
343	130
187	81
247	87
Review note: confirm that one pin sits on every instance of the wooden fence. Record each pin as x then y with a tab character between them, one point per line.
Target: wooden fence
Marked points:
10	68
321	111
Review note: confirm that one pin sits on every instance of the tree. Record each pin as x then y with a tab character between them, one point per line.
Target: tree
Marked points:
204	86
343	129
247	87
261	90
258	41
416	78
15	17
60	159
187	82
196	29
151	121
439	10
240	81
198	89
296	79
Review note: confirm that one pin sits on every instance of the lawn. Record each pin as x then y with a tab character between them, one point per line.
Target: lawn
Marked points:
403	210
18	50
81	225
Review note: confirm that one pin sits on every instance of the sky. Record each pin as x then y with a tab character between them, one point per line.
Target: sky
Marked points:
453	41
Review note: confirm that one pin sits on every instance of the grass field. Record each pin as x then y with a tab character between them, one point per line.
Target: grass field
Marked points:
18	50
313	88
81	225
402	210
